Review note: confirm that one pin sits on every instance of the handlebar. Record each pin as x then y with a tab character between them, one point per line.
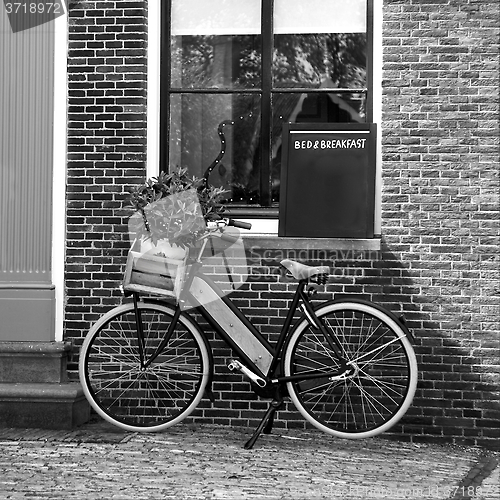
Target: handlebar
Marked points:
238	223
222	223
219	225
216	228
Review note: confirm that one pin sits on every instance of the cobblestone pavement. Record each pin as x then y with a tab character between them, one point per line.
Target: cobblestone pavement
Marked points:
99	461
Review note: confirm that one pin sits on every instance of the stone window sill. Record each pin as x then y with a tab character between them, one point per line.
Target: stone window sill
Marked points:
275	242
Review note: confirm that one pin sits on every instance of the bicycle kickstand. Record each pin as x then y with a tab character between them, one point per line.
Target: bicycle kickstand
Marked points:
266	423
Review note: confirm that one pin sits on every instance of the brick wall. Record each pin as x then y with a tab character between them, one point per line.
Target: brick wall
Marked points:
106	149
439	260
441	202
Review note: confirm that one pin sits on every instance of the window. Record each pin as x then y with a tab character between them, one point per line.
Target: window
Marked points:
254	65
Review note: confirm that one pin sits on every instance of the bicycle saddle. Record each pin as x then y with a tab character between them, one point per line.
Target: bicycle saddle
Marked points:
302	271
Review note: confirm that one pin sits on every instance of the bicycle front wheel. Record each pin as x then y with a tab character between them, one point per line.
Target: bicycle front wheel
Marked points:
128	391
380	384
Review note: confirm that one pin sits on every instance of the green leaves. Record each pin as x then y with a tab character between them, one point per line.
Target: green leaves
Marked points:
175	206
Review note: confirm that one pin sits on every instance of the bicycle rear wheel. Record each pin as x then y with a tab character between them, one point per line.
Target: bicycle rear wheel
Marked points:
131	395
381	381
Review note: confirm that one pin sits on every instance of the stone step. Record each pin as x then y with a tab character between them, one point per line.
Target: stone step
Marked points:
39	362
43	405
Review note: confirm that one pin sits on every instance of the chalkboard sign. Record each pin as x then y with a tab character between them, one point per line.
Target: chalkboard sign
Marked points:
327	185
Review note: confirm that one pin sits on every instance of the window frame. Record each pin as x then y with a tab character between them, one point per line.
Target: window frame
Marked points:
265	208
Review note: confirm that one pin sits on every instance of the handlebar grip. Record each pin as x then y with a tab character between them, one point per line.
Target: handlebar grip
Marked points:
231	238
239	223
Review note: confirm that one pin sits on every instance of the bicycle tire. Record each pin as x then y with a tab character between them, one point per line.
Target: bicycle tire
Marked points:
138	399
383	377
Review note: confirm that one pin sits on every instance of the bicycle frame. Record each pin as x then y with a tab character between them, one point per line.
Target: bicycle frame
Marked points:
258	355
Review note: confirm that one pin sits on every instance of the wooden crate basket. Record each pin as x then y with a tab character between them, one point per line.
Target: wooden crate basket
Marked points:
153	274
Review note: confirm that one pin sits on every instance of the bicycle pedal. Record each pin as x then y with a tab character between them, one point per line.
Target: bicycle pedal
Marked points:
236	365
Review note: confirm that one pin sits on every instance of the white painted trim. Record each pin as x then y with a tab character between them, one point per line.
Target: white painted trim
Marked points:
153	96
260	226
377	108
59	169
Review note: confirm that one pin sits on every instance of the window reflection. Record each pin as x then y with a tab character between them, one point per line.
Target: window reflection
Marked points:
194	142
335	60
216	61
216	75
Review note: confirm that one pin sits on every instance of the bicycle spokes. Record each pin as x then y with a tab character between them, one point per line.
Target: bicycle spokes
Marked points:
144	381
375	385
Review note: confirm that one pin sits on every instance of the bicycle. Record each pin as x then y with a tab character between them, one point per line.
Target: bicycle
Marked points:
348	365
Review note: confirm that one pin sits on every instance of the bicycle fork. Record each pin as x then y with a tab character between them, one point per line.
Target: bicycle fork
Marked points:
140	335
140	331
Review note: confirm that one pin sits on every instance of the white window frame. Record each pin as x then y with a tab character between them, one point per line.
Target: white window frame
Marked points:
59	172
